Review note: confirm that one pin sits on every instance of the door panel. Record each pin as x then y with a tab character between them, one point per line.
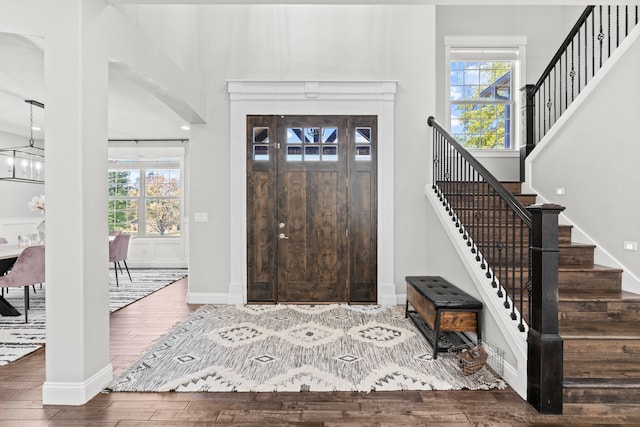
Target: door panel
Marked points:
316	227
312	204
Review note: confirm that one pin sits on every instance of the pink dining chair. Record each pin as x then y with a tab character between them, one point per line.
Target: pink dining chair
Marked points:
119	251
27	270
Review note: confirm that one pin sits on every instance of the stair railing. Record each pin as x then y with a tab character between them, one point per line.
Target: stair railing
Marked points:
592	40
494	224
518	249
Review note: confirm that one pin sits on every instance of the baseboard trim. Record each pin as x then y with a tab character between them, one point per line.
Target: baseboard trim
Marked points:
66	393
401	299
387	294
207	298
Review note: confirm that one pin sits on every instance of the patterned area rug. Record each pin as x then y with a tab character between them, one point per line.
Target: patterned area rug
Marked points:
267	348
18	339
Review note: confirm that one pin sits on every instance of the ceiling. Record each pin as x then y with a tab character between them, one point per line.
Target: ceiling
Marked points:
134	112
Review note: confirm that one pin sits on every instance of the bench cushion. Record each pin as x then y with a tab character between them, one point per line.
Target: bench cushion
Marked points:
443	294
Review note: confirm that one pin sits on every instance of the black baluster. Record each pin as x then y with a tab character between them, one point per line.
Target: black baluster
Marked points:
494	284
600	36
484	225
586	57
469	211
593	44
504	275
617	26
626	21
555	95
608	31
513	265
566	87
572	74
520	287
491	274
579	63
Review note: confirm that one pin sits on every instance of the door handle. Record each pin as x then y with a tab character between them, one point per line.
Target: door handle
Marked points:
281	236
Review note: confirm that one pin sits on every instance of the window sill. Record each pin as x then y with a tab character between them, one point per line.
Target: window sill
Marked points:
511	153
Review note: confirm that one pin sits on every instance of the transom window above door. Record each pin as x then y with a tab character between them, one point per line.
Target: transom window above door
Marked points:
312	144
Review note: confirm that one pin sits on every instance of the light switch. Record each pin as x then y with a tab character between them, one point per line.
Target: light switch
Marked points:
201	217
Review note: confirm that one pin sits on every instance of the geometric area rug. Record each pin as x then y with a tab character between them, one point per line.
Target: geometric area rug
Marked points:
294	348
18	339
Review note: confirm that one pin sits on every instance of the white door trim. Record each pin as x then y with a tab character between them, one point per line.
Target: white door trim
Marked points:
299	97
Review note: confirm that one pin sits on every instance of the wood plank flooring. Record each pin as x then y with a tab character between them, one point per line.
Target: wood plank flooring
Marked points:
135	327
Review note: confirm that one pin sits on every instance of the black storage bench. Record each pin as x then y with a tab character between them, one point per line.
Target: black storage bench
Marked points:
443	307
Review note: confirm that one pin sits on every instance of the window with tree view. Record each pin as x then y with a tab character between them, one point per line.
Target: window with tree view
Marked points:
144	197
481	103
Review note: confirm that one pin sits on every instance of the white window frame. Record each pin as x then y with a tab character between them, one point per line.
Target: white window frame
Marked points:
497	48
140	154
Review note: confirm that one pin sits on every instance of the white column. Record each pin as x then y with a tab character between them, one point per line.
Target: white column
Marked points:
76	85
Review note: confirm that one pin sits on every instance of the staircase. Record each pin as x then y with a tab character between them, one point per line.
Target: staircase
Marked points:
600	326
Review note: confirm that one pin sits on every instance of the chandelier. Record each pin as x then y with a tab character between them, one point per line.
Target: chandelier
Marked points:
24	163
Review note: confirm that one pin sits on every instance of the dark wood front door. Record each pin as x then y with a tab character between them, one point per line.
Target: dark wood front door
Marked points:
311	209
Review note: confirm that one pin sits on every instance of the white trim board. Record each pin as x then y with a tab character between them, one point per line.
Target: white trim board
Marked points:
311	97
67	393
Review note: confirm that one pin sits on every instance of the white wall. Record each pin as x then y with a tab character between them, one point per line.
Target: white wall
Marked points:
545	28
174	27
594	156
288	42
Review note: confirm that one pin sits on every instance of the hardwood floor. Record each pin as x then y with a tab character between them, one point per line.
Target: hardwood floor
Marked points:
135	327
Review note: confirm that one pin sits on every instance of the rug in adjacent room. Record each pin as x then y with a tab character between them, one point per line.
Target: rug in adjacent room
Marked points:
267	348
18	339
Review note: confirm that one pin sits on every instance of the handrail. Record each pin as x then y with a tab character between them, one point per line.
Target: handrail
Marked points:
598	32
563	47
517	249
509	199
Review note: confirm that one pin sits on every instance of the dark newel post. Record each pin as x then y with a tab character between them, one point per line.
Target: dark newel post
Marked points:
528	109
544	365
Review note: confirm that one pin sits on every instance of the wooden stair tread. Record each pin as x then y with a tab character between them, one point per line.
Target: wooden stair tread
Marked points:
588	268
575	245
601	382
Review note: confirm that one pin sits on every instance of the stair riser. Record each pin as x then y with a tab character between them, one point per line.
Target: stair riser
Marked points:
494	233
467	187
568	319
573	255
576	255
601	346
596	395
476	216
611	309
488	202
605	281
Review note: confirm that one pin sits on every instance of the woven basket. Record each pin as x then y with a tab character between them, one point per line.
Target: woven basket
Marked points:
472	360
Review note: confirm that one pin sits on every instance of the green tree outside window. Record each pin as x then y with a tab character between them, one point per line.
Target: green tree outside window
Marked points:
481	103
